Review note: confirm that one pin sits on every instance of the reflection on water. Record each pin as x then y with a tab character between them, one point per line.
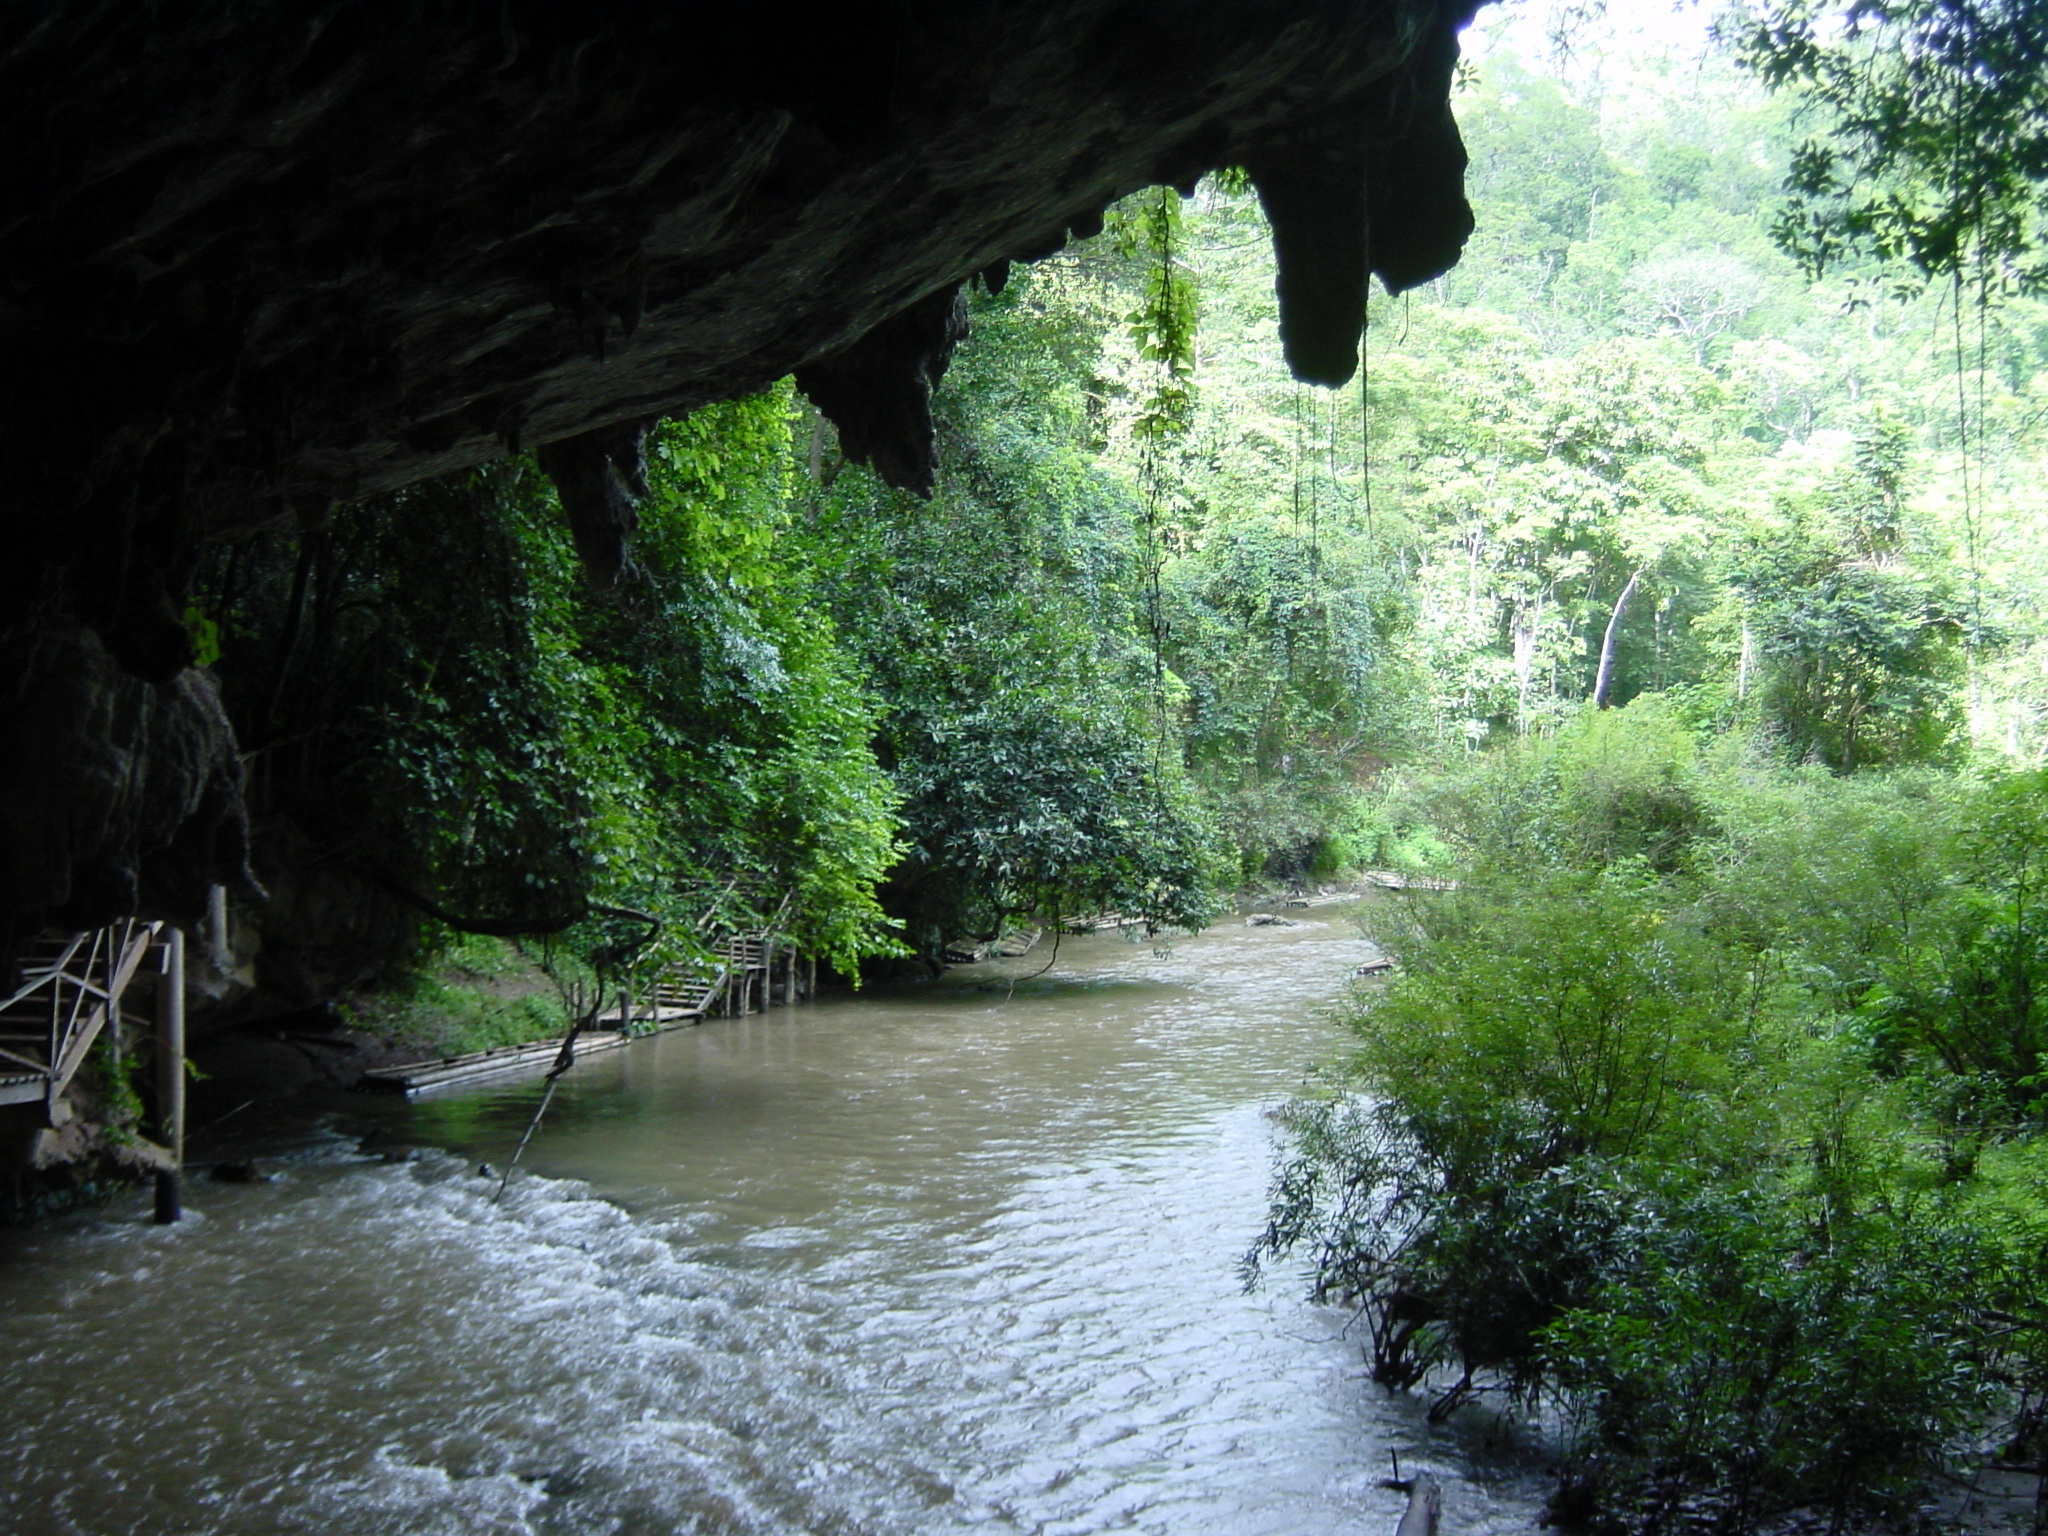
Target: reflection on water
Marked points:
947	1259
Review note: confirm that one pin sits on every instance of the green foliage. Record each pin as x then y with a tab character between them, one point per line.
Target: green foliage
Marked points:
1164	324
438	701
121	1108
1735	1354
1289	652
1704	1108
1829	881
1540	166
1581	1018
1935	152
449	1010
1854	625
1972	991
203	633
1002	626
1033	810
1613	787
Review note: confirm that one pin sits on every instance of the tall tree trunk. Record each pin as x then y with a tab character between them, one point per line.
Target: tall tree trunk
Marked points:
1606	673
1525	661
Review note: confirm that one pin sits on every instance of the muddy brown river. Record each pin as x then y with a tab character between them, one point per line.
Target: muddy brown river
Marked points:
945	1259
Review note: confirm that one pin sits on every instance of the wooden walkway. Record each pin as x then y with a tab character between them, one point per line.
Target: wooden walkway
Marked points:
747	972
70	993
744	972
71	986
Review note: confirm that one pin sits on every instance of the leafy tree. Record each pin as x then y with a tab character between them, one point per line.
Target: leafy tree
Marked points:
1936	149
1029	810
1858	643
1699	297
1003	626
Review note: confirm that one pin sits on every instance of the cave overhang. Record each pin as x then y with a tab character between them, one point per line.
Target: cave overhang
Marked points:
261	258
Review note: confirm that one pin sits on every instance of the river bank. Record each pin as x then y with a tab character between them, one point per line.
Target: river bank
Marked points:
490	994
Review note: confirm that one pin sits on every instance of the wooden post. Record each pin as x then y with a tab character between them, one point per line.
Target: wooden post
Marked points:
170	1072
217	926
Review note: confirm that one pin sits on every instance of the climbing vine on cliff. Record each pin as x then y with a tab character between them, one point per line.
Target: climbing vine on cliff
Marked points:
447	709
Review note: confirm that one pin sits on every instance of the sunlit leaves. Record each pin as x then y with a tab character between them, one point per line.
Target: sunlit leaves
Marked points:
1163	325
1935	150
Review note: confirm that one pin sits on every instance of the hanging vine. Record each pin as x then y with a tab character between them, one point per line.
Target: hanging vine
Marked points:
1164	326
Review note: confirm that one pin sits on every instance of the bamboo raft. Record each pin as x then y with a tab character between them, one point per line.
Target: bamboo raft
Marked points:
1013	945
501	1061
1394	880
1100	922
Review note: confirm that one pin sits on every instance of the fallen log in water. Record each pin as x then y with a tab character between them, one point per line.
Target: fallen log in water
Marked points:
1425	1504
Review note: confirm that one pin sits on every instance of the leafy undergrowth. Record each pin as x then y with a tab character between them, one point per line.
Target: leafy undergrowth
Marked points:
1709	1115
483	993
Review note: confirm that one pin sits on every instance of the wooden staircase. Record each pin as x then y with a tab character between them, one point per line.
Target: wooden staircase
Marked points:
686	991
745	972
71	986
746	957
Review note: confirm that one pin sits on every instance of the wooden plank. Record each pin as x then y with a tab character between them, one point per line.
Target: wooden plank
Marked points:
505	1060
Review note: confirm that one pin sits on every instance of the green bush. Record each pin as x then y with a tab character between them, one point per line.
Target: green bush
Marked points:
1703	1110
1578	1015
1612	786
1736	1369
1970	993
482	993
1531	1049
